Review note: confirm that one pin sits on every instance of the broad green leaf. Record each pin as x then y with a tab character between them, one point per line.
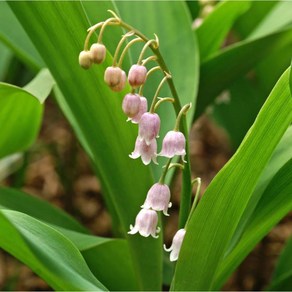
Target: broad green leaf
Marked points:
279	17
9	164
20	118
108	259
212	32
19	201
282	277
97	111
5	58
247	22
224	68
47	252
275	203
41	85
228	195
237	109
14	36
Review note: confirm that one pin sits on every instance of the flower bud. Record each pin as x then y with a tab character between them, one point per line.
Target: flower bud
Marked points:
176	245
137	75
131	104
147	152
121	85
158	198
97	53
142	110
84	59
149	127
146	224
114	77
174	143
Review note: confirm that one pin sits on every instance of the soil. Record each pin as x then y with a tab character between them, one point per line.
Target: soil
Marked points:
68	183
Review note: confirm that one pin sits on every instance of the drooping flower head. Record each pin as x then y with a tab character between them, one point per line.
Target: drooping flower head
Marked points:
176	245
149	127
137	75
142	110
174	143
146	224
147	152
115	78
97	53
131	104
85	59
158	198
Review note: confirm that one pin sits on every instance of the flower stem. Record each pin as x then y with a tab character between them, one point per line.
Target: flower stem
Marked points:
126	48
186	193
152	108
151	71
198	181
163	175
146	46
182	112
120	45
160	101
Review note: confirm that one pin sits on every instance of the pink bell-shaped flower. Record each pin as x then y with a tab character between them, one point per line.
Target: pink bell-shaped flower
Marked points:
147	152
146	224
149	127
137	75
131	104
158	198
142	110
174	143
176	245
115	78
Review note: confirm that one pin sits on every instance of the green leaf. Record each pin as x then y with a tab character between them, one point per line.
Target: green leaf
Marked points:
194	8
279	17
97	112
5	58
41	85
108	259
274	180
20	118
226	67
228	195
9	164
47	252
19	201
14	36
282	277
210	34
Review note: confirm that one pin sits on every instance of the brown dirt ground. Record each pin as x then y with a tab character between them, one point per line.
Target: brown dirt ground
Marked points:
70	184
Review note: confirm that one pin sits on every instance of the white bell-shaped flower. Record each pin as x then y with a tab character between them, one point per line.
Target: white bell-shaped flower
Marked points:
158	198
137	75
176	245
146	224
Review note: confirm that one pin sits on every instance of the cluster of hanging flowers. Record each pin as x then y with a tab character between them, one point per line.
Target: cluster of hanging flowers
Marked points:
135	107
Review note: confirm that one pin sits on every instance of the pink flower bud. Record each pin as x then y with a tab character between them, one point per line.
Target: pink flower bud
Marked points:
147	152
121	85
176	245
149	127
84	59
158	198
146	224
131	104
137	75
142	110
115	78
174	143
97	53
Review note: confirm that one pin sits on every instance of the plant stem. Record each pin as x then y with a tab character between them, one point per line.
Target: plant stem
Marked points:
186	193
163	175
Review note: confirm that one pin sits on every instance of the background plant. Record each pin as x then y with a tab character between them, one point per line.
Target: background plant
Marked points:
243	202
